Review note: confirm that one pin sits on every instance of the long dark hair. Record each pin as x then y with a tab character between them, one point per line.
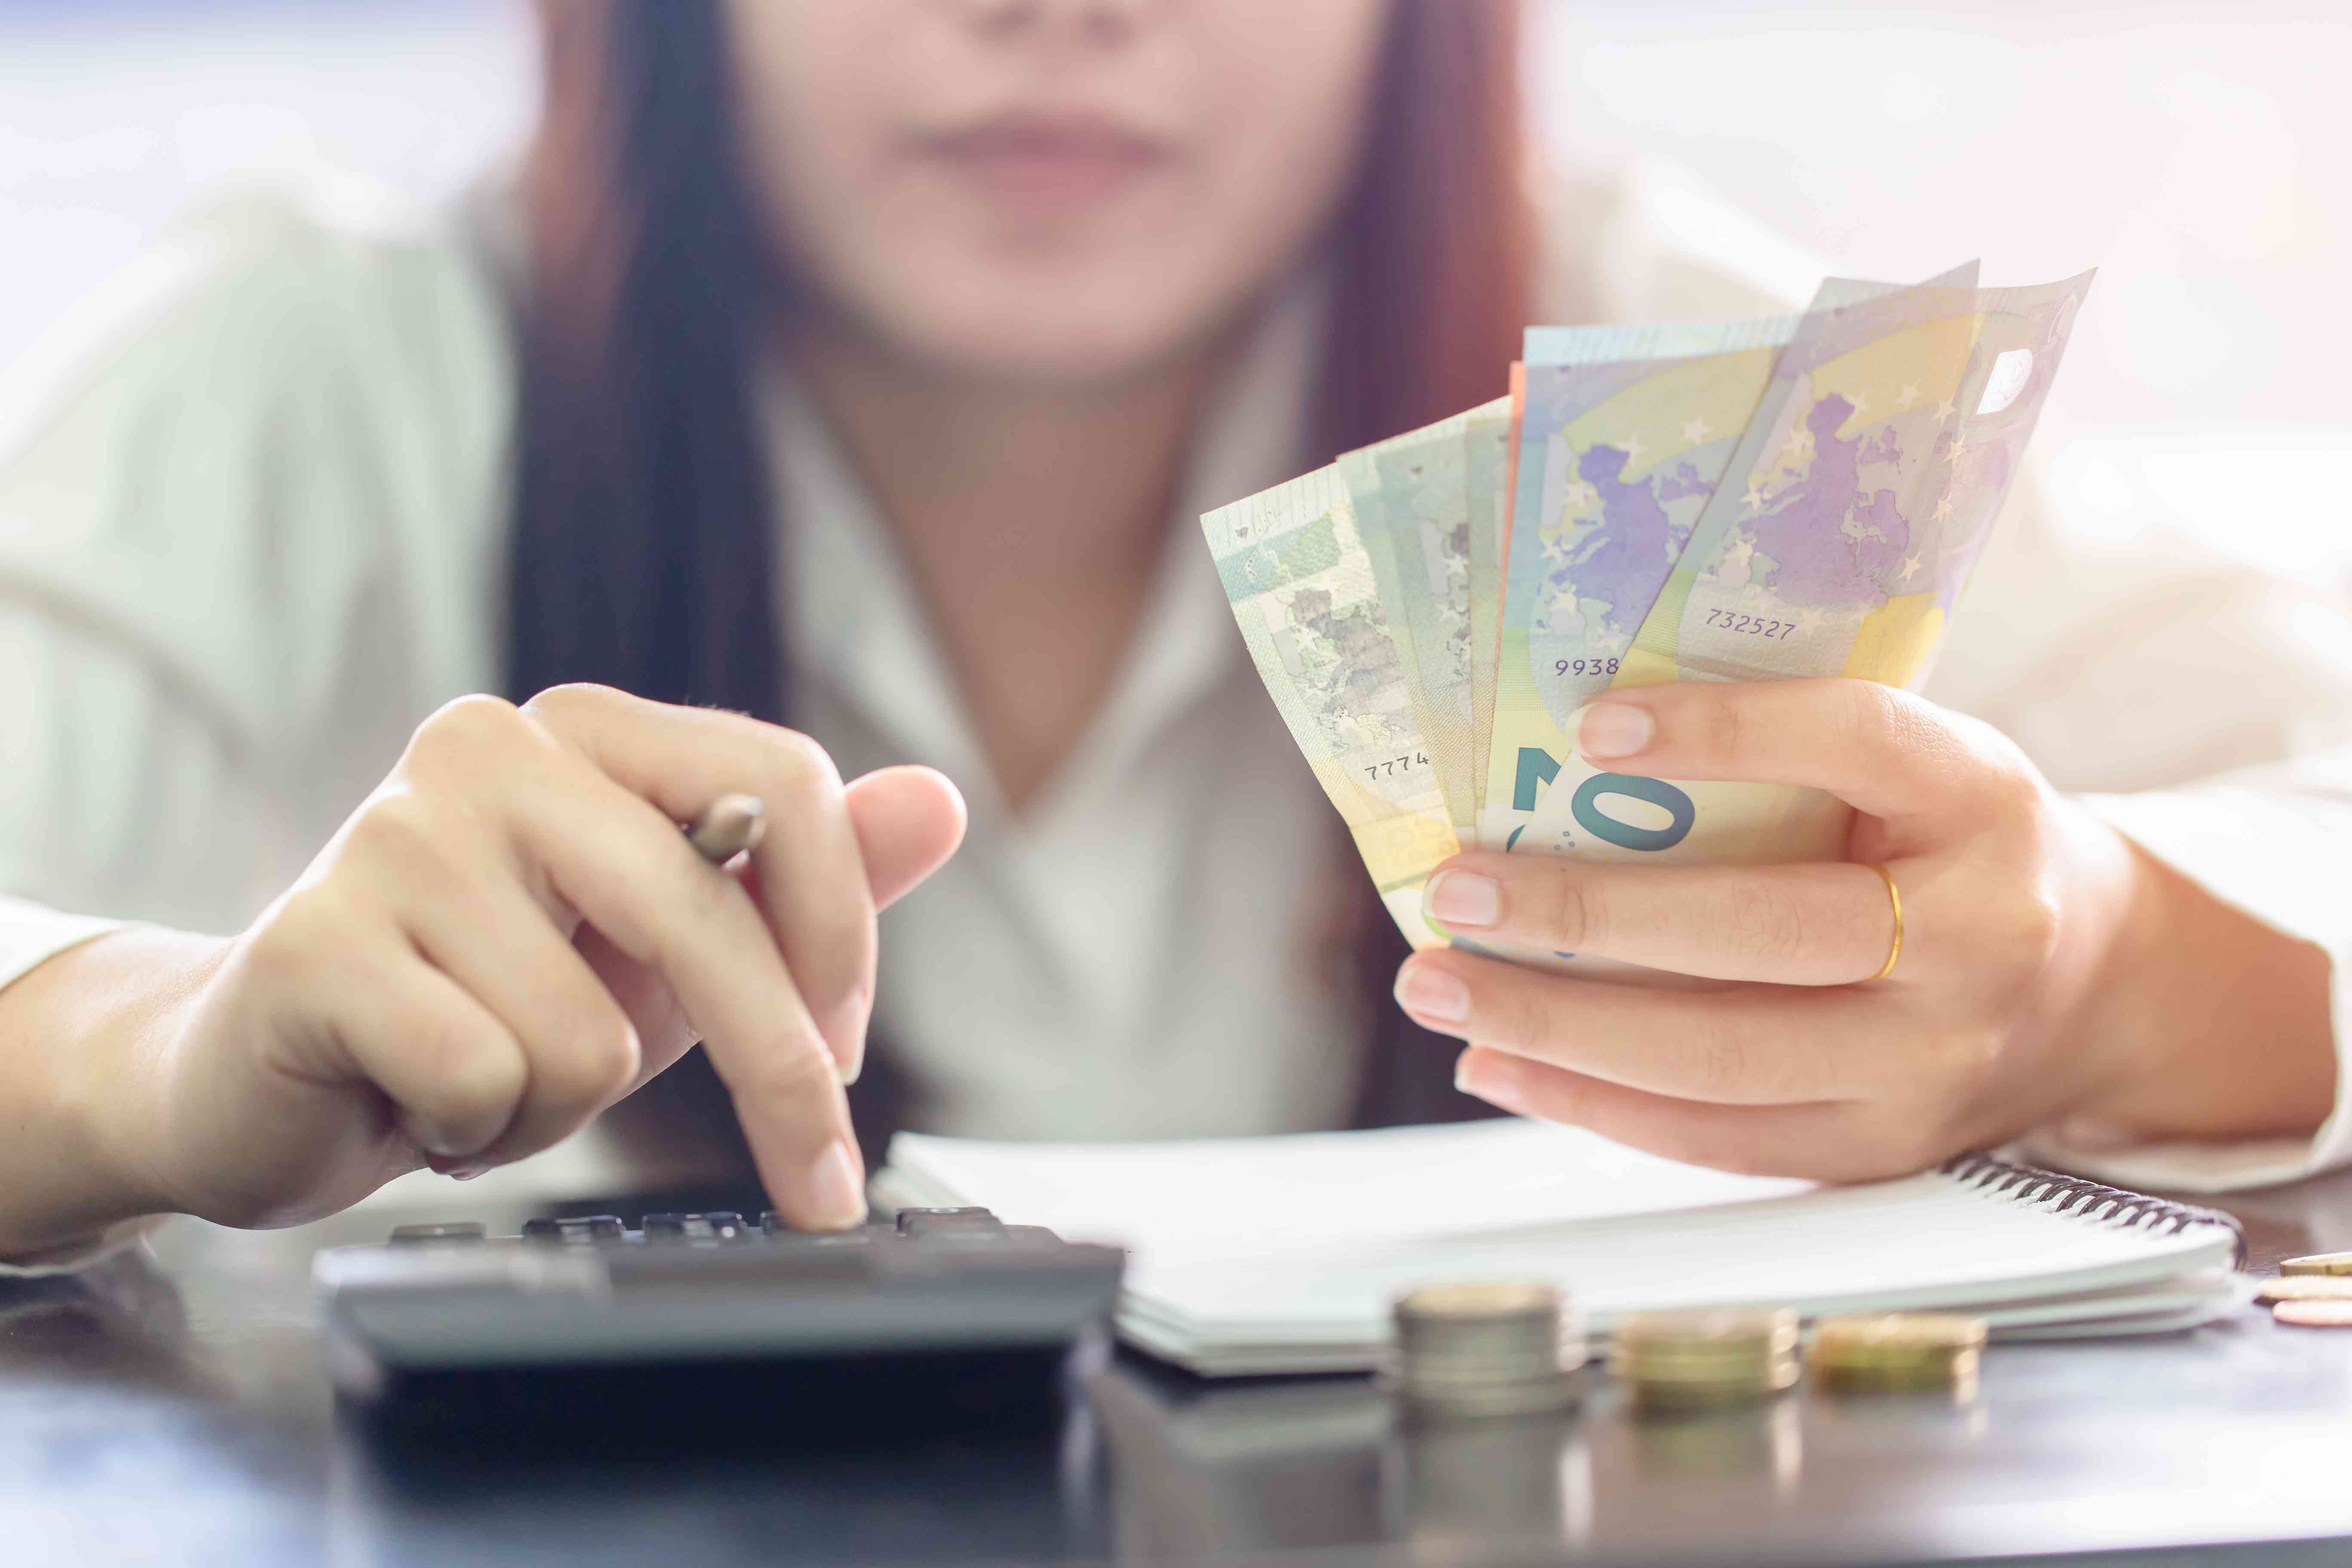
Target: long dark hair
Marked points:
643	551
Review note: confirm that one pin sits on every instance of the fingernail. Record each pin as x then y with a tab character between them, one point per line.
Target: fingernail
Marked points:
437	1142
1611	728
845	1032
1463	898
837	1194
1427	992
467	1173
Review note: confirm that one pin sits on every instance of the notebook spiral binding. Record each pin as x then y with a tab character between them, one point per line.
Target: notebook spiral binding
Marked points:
2089	1200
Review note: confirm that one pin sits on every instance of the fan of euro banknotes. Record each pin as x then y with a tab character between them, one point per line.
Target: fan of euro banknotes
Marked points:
1730	501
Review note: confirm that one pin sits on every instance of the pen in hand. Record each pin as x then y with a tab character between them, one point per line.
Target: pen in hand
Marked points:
728	826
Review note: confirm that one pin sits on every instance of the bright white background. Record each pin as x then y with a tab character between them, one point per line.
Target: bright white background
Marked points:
2196	154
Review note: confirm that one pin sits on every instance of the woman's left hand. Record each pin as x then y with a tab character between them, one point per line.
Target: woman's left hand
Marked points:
2048	970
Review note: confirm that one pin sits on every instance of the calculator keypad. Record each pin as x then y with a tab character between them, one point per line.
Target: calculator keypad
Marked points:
710	1229
725	1227
674	1247
581	1230
949	1224
691	1287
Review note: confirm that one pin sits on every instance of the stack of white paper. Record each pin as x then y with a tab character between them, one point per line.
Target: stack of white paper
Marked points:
1282	1254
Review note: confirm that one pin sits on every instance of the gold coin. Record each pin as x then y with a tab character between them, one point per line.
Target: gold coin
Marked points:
1897	1352
2319	1263
1957	1380
1682	1359
2314	1314
1754	1383
1705	1330
2305	1288
1896	1336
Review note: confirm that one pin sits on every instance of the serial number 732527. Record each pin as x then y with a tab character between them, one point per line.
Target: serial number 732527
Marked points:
1754	626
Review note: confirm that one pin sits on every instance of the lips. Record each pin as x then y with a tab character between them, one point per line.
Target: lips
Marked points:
1050	165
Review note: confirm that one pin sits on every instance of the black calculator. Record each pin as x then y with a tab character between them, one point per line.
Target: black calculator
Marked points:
587	1291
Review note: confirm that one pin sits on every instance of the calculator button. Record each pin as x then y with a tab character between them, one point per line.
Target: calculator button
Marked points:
720	1225
960	1224
777	1227
458	1230
577	1230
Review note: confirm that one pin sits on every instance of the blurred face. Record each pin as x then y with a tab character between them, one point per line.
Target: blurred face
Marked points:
1049	190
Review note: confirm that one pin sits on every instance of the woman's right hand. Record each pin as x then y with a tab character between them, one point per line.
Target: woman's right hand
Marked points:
510	934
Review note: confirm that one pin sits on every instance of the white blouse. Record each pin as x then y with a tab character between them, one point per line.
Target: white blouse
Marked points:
253	506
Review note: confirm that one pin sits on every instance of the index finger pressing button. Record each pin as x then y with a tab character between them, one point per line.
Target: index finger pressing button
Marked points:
776	1225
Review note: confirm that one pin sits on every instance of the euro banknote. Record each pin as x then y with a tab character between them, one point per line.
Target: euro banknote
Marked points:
1412	500
1744	500
1624	437
1306	597
1861	493
1488	441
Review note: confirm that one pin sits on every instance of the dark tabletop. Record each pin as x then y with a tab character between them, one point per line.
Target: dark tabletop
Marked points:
177	1409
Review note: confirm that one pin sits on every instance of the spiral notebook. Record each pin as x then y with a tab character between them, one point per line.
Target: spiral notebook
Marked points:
1281	1254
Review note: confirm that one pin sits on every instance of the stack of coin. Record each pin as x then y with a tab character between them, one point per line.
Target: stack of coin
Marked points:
2304	1288
1502	1348
2313	1292
2313	1314
1690	1359
1897	1352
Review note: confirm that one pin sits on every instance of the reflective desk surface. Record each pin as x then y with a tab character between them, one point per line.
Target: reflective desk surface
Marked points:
178	1411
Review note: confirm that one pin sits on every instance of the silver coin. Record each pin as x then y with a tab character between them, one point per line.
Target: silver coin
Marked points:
1486	1348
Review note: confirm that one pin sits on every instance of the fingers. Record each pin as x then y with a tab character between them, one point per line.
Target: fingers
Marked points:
622	863
1795	925
908	821
1820	1142
585	790
453	1073
508	831
664	1031
580	1050
814	891
1736	1045
1881	750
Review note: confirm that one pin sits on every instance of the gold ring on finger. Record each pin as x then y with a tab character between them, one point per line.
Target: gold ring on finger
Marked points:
1895	898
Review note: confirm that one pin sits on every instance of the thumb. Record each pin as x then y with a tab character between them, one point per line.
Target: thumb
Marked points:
908	820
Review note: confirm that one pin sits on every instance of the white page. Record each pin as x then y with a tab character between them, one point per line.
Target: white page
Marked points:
1921	1241
1231	1197
1258	1254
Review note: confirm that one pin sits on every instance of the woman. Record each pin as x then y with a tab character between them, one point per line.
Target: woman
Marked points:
861	366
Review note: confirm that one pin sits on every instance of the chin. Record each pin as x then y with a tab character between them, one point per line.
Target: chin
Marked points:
1051	353
1061	329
